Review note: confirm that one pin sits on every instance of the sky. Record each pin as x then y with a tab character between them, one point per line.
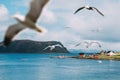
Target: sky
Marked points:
64	26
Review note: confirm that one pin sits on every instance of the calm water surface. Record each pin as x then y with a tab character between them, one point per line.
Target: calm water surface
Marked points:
42	67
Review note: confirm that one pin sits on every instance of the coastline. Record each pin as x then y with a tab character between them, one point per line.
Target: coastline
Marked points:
97	56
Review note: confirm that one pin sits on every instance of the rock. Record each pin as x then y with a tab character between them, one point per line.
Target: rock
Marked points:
29	46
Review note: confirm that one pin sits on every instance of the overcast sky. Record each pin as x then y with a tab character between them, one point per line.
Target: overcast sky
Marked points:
62	25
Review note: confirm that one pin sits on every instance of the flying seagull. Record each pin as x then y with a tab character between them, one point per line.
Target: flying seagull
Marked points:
96	30
51	47
29	21
88	44
88	8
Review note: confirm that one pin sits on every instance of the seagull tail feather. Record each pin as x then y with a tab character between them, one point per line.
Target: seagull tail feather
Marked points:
41	29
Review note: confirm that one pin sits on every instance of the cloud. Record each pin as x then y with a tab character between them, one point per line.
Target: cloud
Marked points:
4	13
111	46
21	3
4	20
47	16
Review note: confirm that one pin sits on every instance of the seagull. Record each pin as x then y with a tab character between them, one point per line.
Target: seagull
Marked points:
96	30
88	8
88	44
51	47
29	21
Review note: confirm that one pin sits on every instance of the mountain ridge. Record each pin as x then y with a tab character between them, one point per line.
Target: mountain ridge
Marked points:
30	46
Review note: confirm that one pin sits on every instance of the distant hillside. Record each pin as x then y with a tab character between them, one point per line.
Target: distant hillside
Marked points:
28	46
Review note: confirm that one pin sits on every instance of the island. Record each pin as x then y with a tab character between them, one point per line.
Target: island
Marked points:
30	46
103	55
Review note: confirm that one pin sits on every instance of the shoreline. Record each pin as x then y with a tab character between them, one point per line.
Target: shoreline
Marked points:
92	57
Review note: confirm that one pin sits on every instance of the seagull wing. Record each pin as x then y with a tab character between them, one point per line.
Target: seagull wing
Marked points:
52	47
79	9
85	42
11	32
95	43
98	11
47	47
58	45
36	9
98	44
77	44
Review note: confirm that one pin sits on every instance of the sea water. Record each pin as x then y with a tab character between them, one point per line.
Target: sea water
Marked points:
43	67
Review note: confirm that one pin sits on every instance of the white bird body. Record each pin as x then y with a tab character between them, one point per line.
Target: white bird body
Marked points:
51	47
29	21
87	7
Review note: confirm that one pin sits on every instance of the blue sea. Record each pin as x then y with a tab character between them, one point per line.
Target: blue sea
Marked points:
43	67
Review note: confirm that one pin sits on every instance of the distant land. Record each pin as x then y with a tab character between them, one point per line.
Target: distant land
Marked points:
29	46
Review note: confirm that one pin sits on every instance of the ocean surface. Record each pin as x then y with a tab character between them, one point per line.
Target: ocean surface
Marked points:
43	67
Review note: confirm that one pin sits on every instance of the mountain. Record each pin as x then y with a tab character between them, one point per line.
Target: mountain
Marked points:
29	46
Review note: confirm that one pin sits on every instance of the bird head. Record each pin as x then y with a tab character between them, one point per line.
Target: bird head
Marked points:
19	17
